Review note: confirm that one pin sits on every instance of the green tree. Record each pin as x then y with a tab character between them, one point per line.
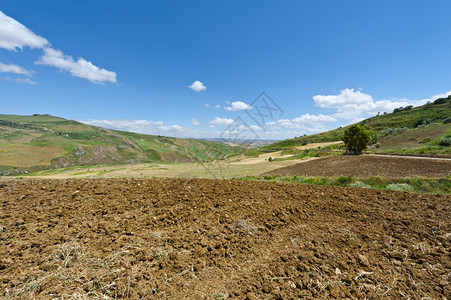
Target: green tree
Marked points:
356	138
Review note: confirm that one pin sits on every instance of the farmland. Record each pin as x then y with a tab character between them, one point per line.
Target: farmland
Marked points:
215	239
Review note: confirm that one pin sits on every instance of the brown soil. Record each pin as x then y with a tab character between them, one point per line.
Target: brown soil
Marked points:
367	166
218	239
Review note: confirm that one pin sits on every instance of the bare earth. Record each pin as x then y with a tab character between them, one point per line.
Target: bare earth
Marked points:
218	239
367	166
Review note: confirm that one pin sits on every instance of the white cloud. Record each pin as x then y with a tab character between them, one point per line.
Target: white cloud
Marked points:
217	106
221	121
140	126
255	127
11	68
20	80
195	122
14	35
238	105
26	80
80	68
346	97
304	124
198	86
353	105
207	105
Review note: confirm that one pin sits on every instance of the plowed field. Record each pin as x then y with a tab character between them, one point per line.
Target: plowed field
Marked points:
219	239
367	166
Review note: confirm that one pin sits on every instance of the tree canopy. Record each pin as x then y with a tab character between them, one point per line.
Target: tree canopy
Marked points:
356	138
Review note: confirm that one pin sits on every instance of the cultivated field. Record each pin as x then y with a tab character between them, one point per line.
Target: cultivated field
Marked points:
367	166
218	239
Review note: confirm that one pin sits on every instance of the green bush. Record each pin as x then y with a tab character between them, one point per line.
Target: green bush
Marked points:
447	120
356	138
344	180
442	100
400	187
359	184
393	131
421	122
445	141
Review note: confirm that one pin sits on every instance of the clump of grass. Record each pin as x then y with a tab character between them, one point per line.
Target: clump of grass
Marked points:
159	253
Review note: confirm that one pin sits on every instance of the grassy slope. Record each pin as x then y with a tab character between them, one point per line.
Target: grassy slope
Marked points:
49	141
435	113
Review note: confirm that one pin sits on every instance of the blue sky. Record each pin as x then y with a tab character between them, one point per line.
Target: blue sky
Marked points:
190	68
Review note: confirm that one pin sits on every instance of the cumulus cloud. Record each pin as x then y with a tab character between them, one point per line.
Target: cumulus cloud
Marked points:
198	86
139	126
346	97
217	106
206	105
14	35
221	121
238	105
304	124
11	68
195	122
354	105
80	68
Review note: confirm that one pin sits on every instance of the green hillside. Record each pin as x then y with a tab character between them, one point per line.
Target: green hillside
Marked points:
414	127
42	141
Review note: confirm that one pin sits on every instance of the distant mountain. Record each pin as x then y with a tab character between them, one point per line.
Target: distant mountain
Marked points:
37	142
419	125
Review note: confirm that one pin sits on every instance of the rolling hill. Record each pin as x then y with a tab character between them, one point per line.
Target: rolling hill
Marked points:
407	129
38	142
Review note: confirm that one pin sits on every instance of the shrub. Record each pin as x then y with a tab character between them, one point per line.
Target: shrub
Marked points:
356	138
400	187
393	131
447	120
421	122
441	100
445	141
343	180
269	159
359	184
399	109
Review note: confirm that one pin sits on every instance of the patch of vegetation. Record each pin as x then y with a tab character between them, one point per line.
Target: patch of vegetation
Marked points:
400	187
413	185
393	131
445	141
